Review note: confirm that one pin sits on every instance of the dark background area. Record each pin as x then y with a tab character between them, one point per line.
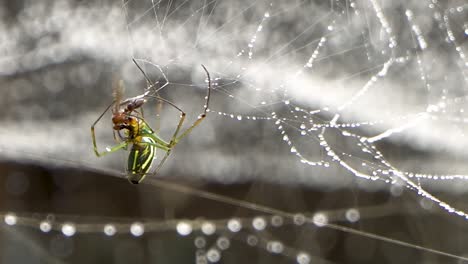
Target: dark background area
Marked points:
93	199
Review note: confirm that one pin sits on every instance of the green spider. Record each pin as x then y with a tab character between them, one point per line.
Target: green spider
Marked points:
143	139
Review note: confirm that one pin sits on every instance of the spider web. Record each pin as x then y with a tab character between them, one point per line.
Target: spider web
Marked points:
327	95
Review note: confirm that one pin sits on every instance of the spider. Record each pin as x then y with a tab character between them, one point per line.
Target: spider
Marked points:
143	139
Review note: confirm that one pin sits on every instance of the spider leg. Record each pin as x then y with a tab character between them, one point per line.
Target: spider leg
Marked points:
93	135
112	149
162	162
150	86
175	137
200	117
167	146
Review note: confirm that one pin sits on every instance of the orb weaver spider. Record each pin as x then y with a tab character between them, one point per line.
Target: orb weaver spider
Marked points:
143	139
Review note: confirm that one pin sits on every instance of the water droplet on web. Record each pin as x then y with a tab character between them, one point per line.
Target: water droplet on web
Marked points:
267	14
353	215
68	229
275	247
137	229
223	243
184	228
45	226
200	242
252	240
110	230
303	126
259	223
320	219
293	149
10	219
276	221
299	219
303	258
213	255
345	133
208	228
239	117
234	225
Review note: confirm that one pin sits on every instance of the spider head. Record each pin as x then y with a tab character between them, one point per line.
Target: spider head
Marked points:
122	120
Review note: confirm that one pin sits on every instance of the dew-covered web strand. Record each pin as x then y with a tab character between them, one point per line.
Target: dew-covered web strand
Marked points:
453	40
382	73
202	25
219	28
280	49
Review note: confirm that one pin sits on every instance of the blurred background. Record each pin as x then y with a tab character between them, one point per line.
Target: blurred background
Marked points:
336	131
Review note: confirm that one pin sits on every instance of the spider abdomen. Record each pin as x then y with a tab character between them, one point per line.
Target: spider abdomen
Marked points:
140	159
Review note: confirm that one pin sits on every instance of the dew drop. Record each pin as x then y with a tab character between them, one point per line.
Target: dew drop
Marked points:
213	255
259	223
223	243
184	228
275	247
353	215
109	230
320	219
234	225
200	242
276	221
137	229
252	240
68	229
45	226
303	258
299	219
10	219
208	228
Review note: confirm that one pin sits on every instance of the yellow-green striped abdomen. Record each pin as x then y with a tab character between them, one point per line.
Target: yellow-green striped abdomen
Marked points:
140	159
